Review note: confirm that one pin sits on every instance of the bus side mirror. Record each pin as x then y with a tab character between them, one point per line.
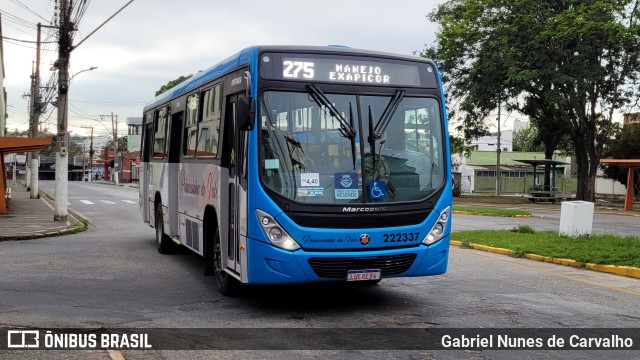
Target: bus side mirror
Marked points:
245	113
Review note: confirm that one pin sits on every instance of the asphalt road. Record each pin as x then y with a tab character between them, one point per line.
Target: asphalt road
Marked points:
112	276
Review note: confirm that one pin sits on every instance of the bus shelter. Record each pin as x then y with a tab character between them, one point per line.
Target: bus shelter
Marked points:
631	165
547	192
10	145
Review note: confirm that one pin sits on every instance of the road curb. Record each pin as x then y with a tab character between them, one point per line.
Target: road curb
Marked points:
628	271
463	212
77	225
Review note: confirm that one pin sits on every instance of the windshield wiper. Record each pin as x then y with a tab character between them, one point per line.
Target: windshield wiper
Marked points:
372	144
320	98
353	140
385	119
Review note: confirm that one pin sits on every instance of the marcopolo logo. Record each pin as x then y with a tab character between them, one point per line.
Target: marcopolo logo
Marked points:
363	209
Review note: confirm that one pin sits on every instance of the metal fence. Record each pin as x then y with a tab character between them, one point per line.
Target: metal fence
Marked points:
520	185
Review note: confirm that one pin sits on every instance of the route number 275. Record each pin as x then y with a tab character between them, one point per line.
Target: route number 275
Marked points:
292	69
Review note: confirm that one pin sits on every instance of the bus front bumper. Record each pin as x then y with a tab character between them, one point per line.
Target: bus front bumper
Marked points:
271	265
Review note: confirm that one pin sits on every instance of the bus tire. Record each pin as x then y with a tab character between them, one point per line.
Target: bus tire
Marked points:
227	284
163	242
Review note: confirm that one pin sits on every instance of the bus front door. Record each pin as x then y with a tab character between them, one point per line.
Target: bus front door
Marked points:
236	193
175	146
146	182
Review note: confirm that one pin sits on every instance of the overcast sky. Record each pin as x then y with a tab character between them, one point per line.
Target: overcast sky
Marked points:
154	41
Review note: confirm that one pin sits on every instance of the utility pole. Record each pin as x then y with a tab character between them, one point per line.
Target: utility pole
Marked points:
498	153
36	108
91	157
30	131
91	152
114	133
114	126
62	160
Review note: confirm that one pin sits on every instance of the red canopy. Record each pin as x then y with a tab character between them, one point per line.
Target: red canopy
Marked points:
631	164
10	145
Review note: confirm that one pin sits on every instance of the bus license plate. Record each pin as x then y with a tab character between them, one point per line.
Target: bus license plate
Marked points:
363	275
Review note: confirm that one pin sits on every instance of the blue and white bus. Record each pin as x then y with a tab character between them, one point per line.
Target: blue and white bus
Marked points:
290	164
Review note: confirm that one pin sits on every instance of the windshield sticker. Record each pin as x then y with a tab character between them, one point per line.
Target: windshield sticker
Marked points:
309	179
346	186
310	192
270	164
377	190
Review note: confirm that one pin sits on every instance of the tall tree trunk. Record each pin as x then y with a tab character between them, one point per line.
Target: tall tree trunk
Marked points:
548	155
587	164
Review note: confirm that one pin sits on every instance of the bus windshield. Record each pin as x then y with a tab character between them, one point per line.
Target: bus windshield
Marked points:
308	153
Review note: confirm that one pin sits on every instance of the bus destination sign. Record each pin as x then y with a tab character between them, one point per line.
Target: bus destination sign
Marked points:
345	70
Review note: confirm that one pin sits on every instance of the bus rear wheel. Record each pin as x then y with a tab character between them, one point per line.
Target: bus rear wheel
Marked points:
227	285
163	242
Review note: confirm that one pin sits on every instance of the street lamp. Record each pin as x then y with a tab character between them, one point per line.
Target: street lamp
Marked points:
81	71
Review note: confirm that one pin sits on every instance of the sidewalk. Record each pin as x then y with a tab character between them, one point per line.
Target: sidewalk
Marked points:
33	218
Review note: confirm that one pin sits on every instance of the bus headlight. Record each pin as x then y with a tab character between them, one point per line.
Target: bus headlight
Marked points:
437	231
275	233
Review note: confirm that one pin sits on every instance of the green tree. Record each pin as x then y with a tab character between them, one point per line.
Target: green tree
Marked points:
74	147
172	83
569	63
122	144
457	146
623	146
526	140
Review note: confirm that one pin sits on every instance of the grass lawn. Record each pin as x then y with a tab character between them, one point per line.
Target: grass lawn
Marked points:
597	249
490	211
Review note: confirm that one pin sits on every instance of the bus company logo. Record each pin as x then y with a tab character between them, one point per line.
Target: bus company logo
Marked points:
21	339
363	209
364	239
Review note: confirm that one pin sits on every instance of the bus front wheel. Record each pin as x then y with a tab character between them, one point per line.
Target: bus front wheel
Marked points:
163	242
227	285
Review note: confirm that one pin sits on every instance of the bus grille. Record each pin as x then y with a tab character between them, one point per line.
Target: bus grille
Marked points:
336	268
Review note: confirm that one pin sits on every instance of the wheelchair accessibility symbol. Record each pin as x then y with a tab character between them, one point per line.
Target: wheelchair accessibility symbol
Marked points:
377	190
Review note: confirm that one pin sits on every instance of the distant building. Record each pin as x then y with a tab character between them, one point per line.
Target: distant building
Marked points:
631	118
46	169
520	125
478	172
490	142
134	125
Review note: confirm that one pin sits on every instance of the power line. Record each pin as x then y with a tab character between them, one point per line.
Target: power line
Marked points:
111	102
101	25
17	2
17	20
28	41
18	44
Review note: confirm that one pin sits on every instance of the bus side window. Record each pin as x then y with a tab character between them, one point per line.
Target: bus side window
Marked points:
191	126
209	128
160	136
147	137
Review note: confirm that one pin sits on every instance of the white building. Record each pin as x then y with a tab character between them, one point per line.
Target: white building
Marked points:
134	125
490	142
